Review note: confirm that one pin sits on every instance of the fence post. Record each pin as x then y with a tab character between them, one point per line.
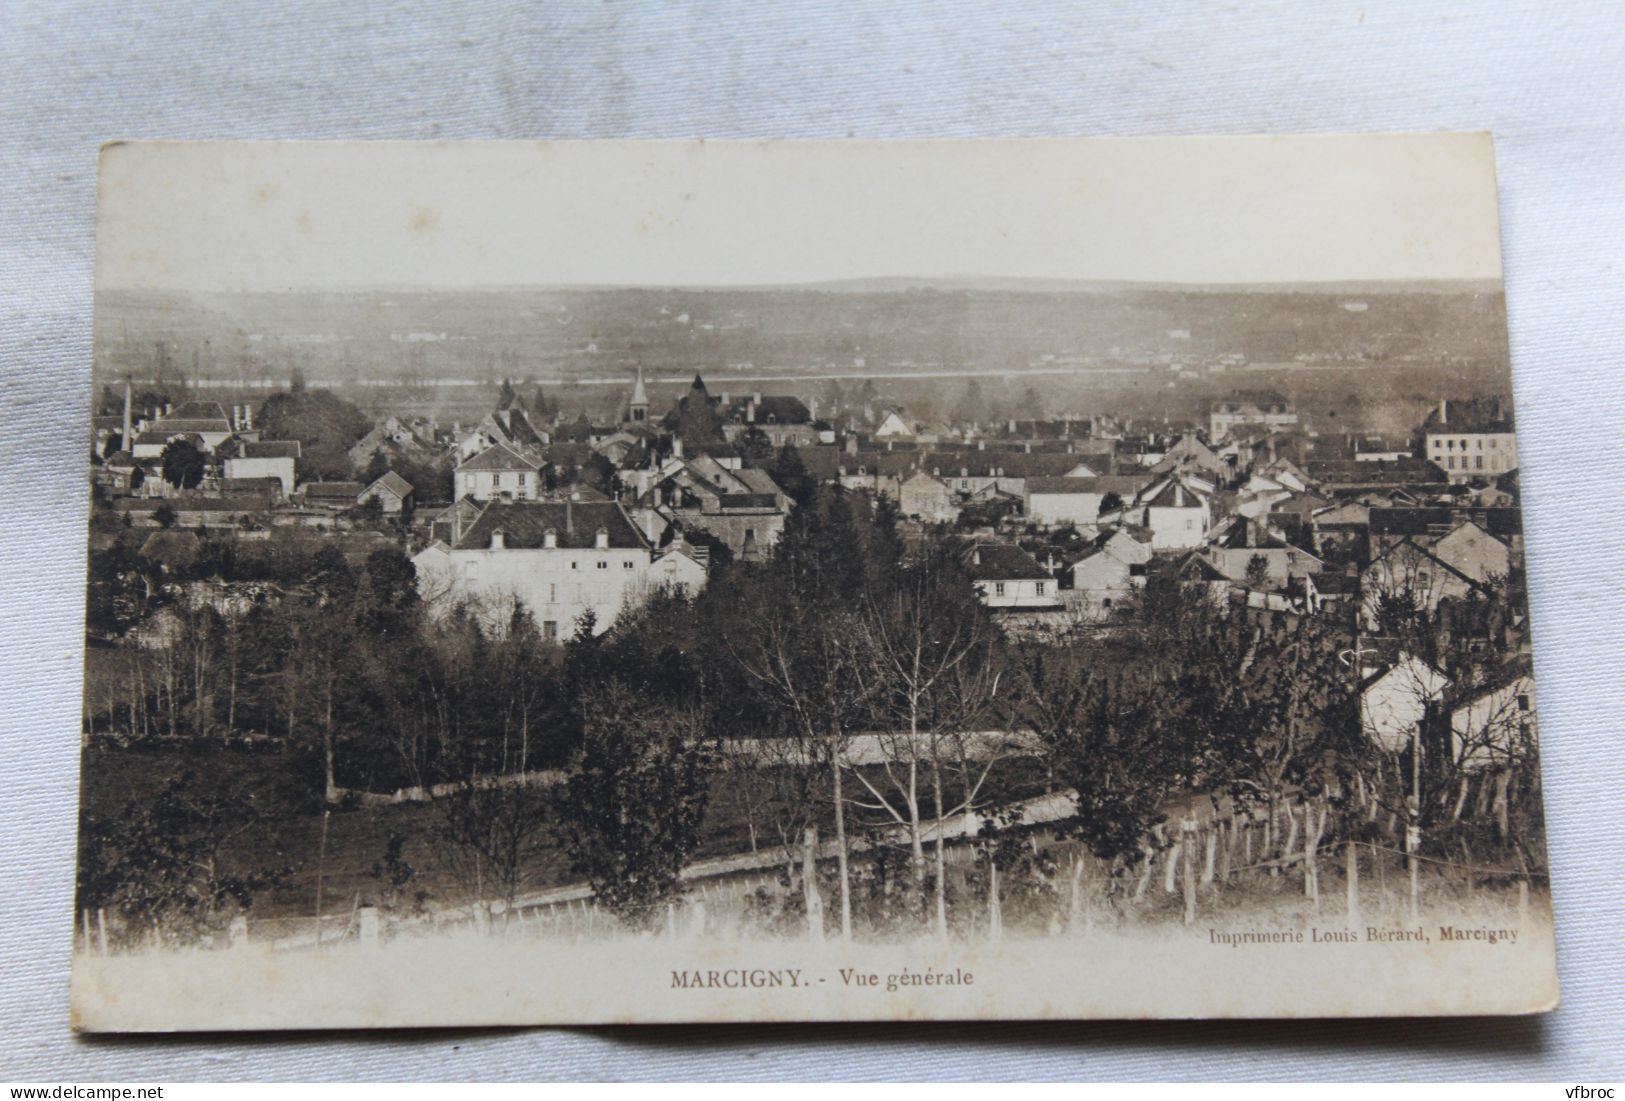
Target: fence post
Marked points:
1172	866
1413	841
367	926
1351	882
1188	851
1210	853
101	930
995	917
809	884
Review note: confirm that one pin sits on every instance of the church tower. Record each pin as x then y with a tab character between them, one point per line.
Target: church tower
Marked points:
637	410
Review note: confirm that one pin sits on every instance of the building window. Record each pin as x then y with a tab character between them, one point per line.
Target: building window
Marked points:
1478	462
627	564
521	479
998	588
1523	703
574	565
550	630
603	565
1040	588
552	592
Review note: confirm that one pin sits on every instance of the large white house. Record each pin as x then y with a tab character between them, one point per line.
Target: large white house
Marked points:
559	559
1471	439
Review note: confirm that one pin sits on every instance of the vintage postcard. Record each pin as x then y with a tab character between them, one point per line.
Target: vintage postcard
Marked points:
576	582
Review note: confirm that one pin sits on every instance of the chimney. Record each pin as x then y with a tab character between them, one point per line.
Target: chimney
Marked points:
1027	448
498	540
677	447
1012	426
600	539
750	412
888	445
976	556
756	397
725	402
127	441
1443	411
169	407
981	445
550	539
569	518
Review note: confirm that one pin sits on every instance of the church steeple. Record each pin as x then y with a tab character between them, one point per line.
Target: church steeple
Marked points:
637	410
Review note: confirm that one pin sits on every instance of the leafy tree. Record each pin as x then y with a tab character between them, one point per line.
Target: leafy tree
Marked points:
1111	502
325	425
168	861
183	464
165	515
543	408
696	420
755	447
492	838
505	395
631	811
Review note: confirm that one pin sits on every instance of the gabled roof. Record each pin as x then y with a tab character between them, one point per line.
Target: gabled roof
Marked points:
1242	534
1174	494
499	457
1499	522
756	480
1002	562
391	482
1196	567
524	525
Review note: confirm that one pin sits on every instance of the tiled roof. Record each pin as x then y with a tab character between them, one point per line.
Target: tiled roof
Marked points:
1124	487
525	523
1499	522
270	449
1002	562
326	490
499	457
1476	415
392	482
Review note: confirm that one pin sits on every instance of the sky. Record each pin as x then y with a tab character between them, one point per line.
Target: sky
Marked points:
285	215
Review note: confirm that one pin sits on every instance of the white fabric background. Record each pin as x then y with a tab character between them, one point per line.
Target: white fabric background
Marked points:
1546	78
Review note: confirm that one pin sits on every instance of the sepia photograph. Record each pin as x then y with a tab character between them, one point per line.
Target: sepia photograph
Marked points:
632	582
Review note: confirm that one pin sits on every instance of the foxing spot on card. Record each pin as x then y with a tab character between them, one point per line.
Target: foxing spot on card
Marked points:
673	581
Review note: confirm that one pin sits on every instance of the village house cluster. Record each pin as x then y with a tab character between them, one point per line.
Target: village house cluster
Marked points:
1061	523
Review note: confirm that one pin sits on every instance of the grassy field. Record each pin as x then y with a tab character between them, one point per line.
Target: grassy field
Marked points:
289	836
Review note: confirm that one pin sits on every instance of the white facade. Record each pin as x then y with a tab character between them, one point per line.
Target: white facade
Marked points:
558	585
1018	593
280	468
1464	456
1496	727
